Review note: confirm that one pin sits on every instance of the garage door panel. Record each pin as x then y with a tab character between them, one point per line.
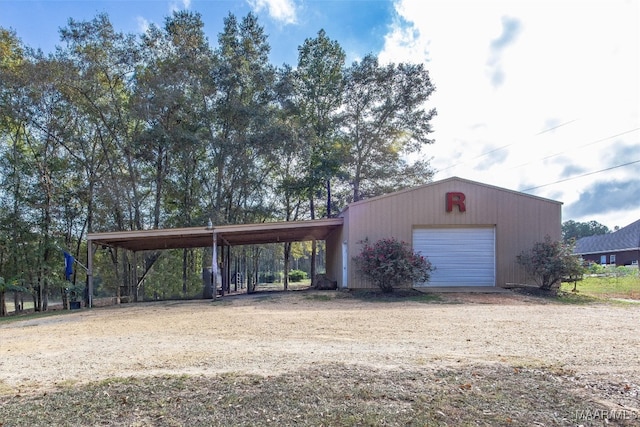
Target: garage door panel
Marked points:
462	256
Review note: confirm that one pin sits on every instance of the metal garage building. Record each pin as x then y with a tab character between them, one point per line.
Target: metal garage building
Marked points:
471	232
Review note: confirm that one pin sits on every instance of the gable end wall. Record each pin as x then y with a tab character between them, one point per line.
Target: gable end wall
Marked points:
520	221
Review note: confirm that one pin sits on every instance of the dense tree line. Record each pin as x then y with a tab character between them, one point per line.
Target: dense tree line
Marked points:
574	230
119	131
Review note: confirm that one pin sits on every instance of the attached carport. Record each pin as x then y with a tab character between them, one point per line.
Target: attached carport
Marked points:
201	237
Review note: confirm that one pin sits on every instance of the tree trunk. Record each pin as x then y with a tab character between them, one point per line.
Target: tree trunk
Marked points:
356	189
313	246
158	181
37	297
17	303
329	198
184	272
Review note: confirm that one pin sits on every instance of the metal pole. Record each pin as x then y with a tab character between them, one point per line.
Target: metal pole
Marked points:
90	271
214	265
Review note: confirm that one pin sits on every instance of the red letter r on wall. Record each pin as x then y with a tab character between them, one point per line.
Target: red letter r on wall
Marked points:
455	199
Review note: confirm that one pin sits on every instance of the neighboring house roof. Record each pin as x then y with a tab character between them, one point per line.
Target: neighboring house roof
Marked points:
625	239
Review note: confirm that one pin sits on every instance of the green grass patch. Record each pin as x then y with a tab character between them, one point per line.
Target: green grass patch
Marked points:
28	305
575	298
34	315
607	286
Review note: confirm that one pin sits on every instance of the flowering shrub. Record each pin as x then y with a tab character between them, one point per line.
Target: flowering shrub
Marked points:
390	262
549	262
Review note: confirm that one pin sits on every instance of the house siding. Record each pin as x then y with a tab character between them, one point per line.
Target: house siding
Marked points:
622	257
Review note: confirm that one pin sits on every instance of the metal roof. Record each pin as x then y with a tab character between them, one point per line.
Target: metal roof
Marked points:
197	237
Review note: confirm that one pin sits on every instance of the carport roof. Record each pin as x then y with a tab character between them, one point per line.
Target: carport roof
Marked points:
197	237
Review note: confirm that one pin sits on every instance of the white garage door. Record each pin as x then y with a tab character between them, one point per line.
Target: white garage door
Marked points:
462	256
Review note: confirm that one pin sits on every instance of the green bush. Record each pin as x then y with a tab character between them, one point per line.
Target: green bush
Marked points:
297	275
549	262
595	268
266	278
269	277
390	262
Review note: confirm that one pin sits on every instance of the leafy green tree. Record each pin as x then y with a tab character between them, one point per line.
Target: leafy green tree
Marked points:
17	241
100	87
390	263
549	262
37	119
320	83
173	86
385	119
576	230
241	111
11	49
288	161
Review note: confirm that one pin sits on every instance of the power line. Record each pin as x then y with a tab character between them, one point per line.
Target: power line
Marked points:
555	127
581	176
581	146
507	145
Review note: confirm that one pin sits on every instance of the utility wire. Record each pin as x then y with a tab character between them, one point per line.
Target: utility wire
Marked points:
505	146
581	176
581	146
555	127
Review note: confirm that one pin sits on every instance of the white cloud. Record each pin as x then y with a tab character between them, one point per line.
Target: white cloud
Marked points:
178	5
404	41
567	63
510	29
283	11
143	24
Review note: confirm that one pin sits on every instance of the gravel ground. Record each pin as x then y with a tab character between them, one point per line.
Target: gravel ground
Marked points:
275	333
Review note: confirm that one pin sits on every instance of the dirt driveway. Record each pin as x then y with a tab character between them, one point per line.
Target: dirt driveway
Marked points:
274	333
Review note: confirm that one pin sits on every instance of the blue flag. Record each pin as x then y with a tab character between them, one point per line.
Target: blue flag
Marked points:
68	265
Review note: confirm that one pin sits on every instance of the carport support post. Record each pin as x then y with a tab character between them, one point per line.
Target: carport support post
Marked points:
90	272
214	265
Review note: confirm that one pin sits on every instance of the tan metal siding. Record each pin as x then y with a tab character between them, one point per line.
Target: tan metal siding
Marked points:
520	220
333	257
334	251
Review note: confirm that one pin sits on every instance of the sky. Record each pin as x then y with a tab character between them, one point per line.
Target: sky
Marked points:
538	96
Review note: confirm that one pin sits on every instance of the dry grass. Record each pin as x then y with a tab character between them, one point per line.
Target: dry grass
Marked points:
329	395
